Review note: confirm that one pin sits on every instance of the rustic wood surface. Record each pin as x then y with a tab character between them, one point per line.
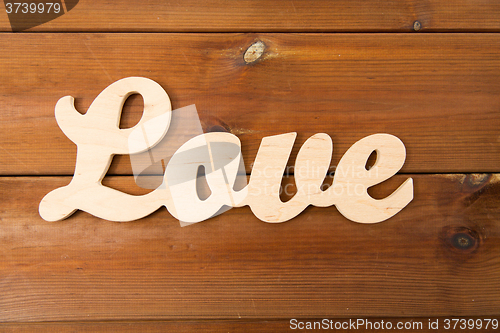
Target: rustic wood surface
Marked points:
443	262
275	16
258	68
439	93
216	326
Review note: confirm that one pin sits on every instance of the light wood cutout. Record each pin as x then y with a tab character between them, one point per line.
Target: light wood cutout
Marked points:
98	137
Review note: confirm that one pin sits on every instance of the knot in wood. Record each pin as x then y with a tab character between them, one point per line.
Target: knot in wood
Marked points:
254	52
461	239
417	26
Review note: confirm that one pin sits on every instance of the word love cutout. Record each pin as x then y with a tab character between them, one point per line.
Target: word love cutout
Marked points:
98	137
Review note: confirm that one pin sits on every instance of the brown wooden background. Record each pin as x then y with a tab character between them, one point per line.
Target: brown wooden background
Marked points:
346	68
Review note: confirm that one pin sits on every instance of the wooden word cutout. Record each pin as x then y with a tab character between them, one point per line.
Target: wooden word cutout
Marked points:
98	137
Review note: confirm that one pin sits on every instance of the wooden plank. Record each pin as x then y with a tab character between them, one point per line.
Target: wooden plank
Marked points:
247	326
437	257
274	16
438	93
150	327
147	326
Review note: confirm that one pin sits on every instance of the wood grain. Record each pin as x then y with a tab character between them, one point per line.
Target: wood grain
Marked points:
274	16
255	68
438	93
443	262
217	326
